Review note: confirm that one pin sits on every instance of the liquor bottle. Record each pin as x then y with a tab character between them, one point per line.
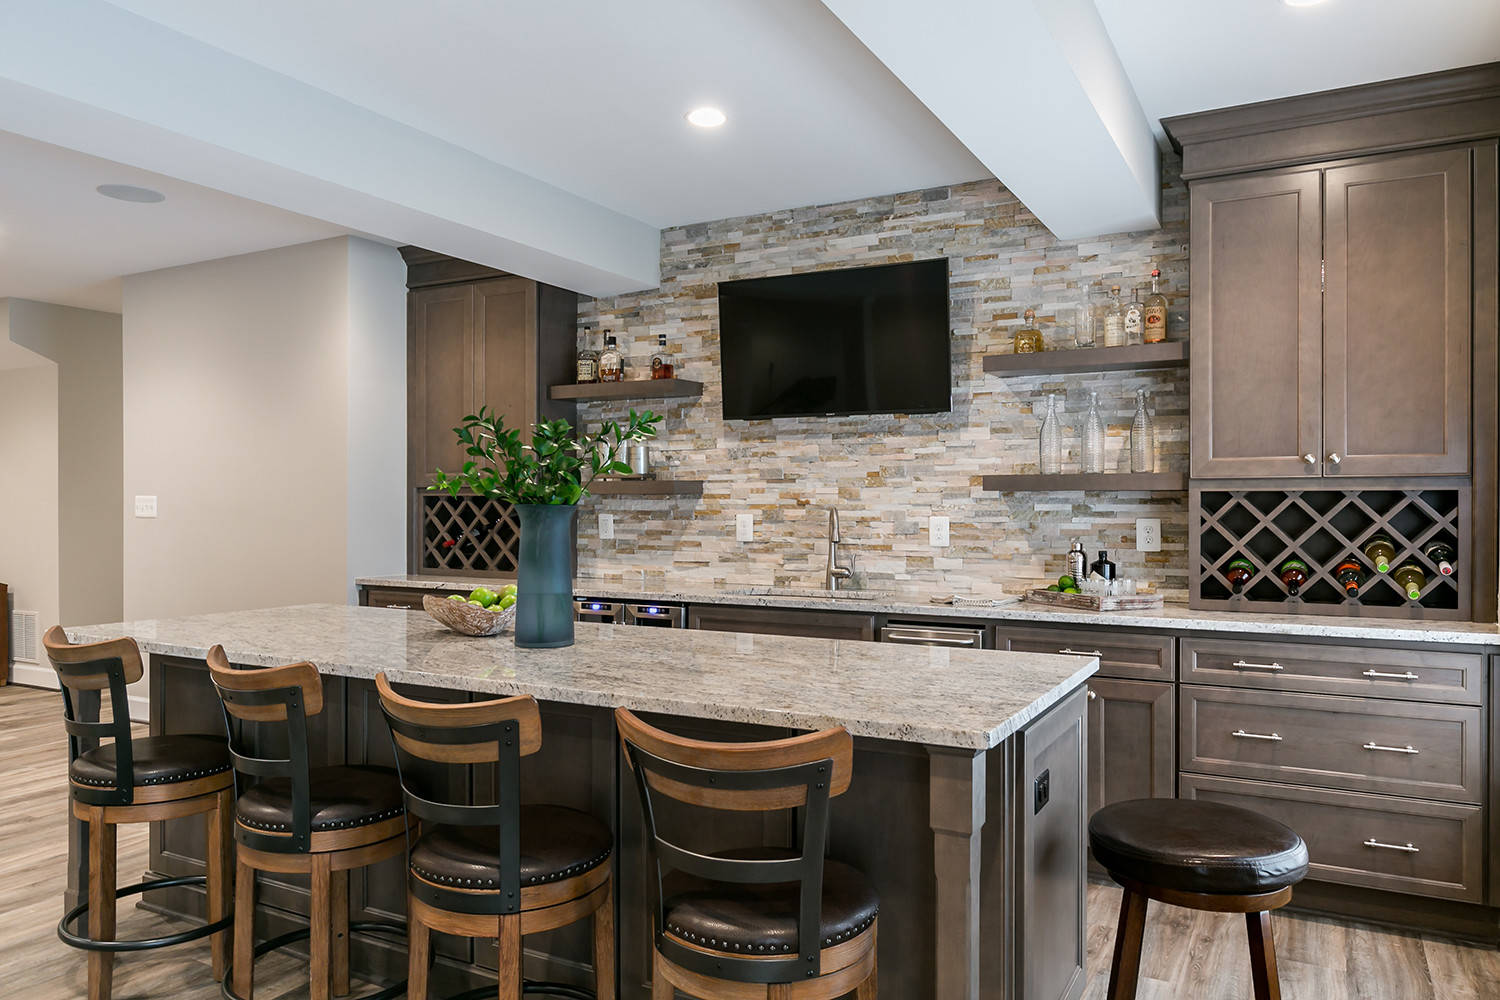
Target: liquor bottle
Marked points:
1441	553
1156	311
1028	337
1351	576
1239	572
1294	574
1093	437
661	365
1135	319
611	363
1102	566
1051	438
1114	319
588	362
1142	437
1410	578
1077	561
1380	552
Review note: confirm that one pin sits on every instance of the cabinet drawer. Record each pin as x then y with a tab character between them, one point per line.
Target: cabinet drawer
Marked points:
1132	655
1412	674
1431	751
1359	839
411	599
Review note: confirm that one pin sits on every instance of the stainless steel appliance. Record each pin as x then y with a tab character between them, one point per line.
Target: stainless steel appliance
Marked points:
606	612
934	635
588	609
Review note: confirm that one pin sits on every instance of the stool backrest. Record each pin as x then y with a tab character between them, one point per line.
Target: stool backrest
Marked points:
802	772
284	698
465	735
84	671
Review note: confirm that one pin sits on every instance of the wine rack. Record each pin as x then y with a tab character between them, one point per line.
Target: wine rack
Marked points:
1322	527
465	535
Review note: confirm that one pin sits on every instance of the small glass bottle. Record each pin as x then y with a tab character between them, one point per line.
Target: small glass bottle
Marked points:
611	363
661	364
1051	438
1156	311
1088	321
1028	337
1142	437
588	362
1135	319
1114	319
1093	437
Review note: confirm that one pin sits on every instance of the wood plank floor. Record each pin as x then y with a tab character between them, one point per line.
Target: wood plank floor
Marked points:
1187	953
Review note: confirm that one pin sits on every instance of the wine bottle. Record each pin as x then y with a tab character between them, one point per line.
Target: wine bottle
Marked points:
1410	578
1351	576
1239	572
1380	552
1294	574
1441	553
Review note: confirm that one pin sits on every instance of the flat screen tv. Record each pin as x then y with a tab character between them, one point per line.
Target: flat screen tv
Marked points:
828	343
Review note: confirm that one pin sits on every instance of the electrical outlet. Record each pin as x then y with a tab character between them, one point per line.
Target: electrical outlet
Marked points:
1043	792
1147	534
606	527
145	506
744	527
937	531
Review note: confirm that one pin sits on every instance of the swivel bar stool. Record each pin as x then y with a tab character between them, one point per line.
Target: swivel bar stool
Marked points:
497	870
778	924
135	780
316	821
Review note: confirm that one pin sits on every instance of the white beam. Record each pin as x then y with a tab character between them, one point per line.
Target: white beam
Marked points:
89	76
1035	90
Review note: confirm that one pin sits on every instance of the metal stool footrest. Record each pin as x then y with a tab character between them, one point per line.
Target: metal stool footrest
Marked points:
75	940
531	986
304	933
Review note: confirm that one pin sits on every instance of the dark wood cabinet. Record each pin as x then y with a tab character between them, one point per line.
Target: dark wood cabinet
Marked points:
783	621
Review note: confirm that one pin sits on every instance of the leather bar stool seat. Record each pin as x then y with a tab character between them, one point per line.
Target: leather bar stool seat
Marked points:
761	919
556	843
1197	846
341	798
156	760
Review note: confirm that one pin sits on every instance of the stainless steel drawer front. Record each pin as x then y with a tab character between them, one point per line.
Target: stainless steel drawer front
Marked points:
965	638
659	615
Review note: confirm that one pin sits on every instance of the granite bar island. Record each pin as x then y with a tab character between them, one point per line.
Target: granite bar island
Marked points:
966	810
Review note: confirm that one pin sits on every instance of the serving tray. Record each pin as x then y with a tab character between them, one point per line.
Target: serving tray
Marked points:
1092	602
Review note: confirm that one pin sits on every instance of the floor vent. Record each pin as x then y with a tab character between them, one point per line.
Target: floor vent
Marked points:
23	636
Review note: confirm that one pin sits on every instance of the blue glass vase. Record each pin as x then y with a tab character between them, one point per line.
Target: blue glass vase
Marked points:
544	599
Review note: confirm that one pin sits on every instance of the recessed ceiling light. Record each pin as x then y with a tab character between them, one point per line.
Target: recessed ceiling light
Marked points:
129	192
706	117
1302	3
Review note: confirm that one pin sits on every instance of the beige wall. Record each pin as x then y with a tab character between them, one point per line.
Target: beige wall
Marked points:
28	494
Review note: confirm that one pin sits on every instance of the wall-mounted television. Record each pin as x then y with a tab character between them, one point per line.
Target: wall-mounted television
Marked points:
829	343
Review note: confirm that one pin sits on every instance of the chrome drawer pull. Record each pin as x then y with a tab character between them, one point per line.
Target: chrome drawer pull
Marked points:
1403	676
1406	749
1257	666
400	607
1081	652
1241	734
1405	848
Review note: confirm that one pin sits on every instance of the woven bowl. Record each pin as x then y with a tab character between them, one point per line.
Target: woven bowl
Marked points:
465	618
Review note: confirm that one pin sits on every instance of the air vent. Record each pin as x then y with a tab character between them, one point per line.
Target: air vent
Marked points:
23	636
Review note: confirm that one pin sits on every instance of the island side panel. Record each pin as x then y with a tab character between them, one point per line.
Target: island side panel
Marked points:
956	812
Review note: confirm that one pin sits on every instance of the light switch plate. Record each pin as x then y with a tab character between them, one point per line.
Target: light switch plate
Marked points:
937	531
1147	534
145	506
744	527
606	527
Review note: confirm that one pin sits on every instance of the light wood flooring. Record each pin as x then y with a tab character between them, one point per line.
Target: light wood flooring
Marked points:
1187	954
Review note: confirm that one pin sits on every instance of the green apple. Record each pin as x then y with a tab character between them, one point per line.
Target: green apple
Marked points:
506	601
509	588
483	596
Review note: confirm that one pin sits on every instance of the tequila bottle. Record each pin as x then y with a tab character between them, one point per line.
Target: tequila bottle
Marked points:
1156	311
1028	337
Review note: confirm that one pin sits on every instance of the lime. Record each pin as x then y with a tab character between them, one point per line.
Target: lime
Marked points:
483	596
506	601
475	604
1066	581
1054	588
1071	590
509	588
455	597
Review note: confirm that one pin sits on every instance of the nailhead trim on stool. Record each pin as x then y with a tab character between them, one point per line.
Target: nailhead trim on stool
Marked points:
828	942
170	779
556	876
326	824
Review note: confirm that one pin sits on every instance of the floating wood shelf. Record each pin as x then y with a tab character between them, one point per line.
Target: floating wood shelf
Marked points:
645	388
1075	482
1136	357
647	487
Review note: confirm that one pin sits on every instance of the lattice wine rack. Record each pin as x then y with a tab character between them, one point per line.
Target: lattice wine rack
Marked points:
1322	527
465	535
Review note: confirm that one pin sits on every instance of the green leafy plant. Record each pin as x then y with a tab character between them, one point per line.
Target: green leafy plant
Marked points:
555	468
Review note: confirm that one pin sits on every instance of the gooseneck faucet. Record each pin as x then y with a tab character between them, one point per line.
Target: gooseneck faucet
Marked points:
836	571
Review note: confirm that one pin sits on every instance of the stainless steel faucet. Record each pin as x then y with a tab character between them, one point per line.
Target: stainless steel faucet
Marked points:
836	571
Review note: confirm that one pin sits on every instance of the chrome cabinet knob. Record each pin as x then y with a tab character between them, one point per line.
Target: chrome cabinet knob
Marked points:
1335	457
1310	458
1093	695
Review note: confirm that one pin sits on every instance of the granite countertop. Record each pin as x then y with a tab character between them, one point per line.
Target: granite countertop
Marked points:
1177	617
972	699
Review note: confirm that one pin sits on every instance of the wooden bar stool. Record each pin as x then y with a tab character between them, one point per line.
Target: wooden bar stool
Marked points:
498	870
315	821
1201	855
135	781
778	924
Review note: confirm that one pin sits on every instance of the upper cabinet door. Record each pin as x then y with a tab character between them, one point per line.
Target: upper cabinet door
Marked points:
505	316
441	387
1256	328
1397	328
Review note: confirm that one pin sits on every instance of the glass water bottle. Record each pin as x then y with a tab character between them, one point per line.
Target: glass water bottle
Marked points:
1051	438
1093	437
1142	437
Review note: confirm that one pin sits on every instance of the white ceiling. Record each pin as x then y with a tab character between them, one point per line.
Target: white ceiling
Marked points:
62	242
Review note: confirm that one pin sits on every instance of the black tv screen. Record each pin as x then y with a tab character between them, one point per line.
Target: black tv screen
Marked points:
858	340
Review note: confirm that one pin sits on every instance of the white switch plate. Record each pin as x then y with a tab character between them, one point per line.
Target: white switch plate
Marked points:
937	531
606	527
744	527
145	506
1147	534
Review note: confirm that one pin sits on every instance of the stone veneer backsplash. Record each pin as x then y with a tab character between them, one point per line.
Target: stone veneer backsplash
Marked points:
886	474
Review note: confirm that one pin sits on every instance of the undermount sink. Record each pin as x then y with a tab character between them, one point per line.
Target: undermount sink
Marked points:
827	595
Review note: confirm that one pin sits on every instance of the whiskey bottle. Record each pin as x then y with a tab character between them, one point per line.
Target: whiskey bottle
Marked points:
1380	552
611	364
1410	578
1114	319
1294	574
1441	553
1351	576
661	365
1156	311
1239	572
588	362
1028	337
1135	319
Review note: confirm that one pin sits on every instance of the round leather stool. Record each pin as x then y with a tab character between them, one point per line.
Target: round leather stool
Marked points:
1203	856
